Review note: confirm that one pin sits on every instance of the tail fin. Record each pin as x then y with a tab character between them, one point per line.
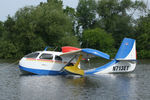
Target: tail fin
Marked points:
127	50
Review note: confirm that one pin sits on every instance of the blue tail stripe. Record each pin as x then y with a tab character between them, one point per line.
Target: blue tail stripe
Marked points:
92	71
125	48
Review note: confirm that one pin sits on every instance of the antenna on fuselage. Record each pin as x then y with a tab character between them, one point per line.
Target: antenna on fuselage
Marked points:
55	48
46	48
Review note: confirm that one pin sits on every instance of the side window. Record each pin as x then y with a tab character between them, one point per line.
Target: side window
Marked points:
58	58
32	55
46	56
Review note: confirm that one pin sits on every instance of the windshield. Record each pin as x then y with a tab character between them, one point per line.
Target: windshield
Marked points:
32	55
46	56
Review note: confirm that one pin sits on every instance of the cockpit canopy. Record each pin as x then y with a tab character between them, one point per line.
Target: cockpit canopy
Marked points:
44	55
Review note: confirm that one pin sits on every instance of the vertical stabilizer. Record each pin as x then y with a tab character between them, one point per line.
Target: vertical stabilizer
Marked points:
127	50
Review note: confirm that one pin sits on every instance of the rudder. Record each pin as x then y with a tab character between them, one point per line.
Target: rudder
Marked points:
127	50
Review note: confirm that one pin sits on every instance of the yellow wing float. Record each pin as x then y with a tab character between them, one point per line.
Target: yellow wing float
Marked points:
75	69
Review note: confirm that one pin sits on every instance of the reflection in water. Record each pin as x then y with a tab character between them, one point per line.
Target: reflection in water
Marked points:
106	87
50	87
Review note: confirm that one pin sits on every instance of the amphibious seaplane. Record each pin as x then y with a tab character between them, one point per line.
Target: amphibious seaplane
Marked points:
68	61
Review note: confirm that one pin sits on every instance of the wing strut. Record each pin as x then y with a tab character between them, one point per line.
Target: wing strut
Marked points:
68	62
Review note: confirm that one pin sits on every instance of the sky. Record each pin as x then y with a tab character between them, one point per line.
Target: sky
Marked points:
9	7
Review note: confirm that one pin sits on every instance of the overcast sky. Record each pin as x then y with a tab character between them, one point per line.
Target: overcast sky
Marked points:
9	7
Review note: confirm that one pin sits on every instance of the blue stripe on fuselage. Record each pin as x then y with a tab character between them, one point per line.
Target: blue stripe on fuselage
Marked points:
41	72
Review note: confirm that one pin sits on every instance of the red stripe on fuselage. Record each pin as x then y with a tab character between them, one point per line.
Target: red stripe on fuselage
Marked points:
44	60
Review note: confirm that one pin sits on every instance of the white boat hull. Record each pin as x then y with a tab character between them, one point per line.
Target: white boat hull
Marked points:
41	67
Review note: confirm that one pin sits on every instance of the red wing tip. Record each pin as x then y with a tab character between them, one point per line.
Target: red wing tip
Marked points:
66	49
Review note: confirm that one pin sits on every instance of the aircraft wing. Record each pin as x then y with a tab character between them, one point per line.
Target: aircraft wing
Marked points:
86	52
96	53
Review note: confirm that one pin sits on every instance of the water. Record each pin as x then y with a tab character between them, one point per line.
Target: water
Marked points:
131	86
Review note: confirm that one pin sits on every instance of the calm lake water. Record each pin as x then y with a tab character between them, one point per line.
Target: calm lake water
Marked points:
131	86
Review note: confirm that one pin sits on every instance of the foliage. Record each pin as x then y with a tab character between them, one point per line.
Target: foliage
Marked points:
1	28
69	40
8	50
33	28
70	11
143	54
86	13
97	24
72	14
116	17
143	36
97	39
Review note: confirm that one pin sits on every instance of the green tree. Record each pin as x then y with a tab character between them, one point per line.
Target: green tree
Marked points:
143	37
116	17
98	39
72	14
86	13
33	28
1	28
8	50
47	21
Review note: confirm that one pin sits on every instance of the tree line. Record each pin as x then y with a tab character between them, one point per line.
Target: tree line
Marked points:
97	24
